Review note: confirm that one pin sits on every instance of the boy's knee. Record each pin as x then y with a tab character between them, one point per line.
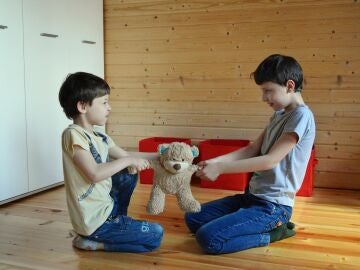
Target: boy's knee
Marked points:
123	178
157	230
157	233
190	222
133	179
208	242
187	219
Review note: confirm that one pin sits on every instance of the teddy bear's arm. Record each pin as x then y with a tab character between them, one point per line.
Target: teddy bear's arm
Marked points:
193	168
154	164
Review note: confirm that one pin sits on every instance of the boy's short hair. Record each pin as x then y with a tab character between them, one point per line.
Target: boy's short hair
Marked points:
279	69
83	87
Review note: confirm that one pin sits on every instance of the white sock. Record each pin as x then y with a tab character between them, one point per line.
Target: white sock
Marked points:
86	244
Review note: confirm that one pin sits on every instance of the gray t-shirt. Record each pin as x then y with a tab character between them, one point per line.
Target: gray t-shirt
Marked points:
281	183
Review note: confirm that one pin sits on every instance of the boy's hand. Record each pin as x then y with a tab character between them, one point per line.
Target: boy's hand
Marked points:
132	170
140	164
208	171
201	165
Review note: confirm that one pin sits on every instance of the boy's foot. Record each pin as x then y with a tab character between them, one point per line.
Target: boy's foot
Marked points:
281	232
86	244
290	225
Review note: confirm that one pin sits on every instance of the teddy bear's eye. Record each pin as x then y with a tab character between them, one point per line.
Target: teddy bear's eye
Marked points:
183	160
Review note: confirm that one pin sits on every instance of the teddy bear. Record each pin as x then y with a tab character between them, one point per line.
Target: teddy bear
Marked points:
172	175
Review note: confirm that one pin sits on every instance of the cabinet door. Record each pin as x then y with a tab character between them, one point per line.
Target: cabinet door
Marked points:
13	165
86	36
46	66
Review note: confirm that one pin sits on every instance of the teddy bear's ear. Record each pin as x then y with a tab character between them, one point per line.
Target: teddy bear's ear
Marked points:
195	151
162	148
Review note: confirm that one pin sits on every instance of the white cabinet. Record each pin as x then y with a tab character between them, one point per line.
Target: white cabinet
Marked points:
86	36
41	42
13	158
46	65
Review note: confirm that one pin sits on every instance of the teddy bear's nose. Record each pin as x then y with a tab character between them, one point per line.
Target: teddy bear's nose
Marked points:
177	166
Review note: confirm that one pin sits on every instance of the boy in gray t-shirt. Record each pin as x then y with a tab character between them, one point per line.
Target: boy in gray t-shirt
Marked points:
280	183
278	158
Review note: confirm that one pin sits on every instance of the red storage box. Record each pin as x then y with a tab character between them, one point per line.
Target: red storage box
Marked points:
306	189
151	145
216	147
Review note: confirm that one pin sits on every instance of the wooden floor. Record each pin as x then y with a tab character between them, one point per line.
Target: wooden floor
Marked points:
35	233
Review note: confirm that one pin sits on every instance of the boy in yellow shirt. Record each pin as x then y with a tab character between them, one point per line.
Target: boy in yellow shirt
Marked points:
98	185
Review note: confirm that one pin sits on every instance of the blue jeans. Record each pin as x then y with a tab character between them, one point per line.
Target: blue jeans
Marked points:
236	223
120	232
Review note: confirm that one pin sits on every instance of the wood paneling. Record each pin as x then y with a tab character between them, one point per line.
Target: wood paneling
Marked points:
183	70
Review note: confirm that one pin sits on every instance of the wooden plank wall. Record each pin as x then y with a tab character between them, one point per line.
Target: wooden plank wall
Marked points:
182	68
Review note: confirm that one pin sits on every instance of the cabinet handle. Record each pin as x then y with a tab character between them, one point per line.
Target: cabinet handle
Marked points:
3	27
48	35
88	42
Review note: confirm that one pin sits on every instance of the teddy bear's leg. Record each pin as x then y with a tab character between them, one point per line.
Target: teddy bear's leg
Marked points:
157	201
187	201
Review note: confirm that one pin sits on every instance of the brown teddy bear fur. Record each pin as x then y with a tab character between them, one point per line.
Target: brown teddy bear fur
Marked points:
172	175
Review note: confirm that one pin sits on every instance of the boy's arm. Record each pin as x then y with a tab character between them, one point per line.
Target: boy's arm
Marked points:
251	150
259	163
145	155
117	152
97	172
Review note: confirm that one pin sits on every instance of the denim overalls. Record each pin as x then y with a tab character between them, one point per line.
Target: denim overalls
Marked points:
120	232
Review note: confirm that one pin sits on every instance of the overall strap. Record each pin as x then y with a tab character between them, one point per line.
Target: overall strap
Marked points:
97	158
93	150
105	140
103	136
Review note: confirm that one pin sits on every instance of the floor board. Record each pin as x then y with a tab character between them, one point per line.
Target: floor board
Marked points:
35	233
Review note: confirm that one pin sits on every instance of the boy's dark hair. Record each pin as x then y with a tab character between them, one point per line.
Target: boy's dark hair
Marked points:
279	69
83	87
